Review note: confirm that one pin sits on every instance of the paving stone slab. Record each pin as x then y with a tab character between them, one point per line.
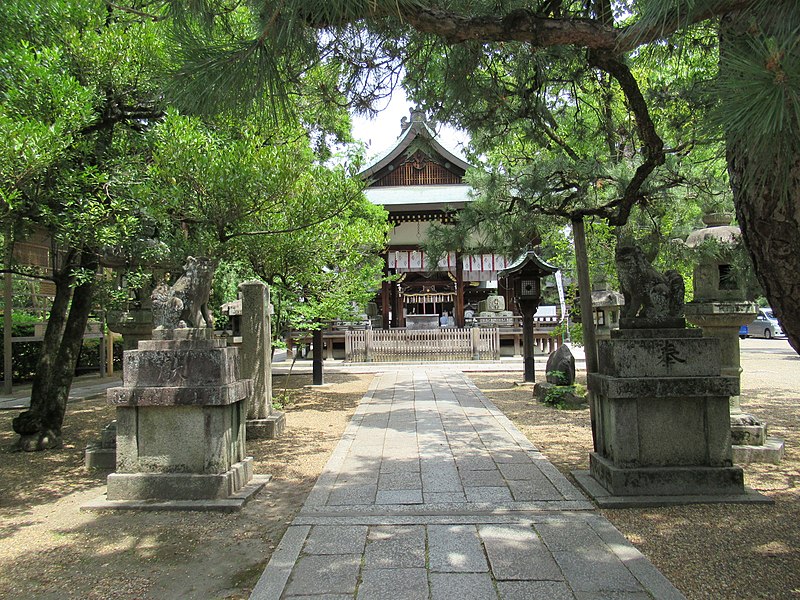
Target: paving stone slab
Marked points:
611	595
488	494
455	549
396	465
470	478
316	597
596	570
569	535
399	497
517	553
475	462
332	574
400	480
443	497
392	547
327	539
512	457
462	586
349	495
534	590
526	491
393	584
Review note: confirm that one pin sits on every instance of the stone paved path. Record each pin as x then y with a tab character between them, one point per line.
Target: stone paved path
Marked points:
432	493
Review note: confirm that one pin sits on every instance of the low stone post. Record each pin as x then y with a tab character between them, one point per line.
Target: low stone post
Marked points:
256	357
368	334
476	341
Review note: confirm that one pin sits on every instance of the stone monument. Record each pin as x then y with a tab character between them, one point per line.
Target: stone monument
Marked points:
560	369
720	309
560	379
663	432
256	353
181	411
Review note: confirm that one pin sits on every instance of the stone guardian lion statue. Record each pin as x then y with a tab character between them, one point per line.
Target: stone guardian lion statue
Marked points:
185	302
648	293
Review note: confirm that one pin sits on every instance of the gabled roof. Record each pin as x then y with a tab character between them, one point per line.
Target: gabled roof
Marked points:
530	257
417	127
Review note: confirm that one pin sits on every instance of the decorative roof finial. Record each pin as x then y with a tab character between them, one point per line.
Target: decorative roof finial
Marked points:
417	116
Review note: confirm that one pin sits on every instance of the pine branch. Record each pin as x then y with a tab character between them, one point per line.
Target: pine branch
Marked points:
653	144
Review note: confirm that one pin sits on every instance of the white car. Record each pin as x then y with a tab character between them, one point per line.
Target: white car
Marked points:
765	325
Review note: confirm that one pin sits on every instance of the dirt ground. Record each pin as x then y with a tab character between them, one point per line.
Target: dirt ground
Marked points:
49	549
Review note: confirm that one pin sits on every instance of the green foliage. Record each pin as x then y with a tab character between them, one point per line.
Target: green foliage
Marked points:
257	196
560	376
557	138
26	357
22	324
558	396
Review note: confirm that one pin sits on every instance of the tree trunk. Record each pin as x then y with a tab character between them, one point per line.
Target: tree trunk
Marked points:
770	223
40	426
766	194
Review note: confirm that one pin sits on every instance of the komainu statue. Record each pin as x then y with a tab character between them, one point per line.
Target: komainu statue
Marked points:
648	294
185	302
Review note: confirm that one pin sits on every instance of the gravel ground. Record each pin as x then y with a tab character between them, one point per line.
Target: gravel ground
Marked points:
49	549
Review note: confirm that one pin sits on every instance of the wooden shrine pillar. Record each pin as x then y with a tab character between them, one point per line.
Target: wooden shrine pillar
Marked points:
386	287
399	319
459	308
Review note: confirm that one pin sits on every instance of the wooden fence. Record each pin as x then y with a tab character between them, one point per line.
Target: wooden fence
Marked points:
399	345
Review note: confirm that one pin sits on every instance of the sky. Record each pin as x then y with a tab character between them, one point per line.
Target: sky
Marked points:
381	133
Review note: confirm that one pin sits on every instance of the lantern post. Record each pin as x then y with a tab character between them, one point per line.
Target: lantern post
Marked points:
525	278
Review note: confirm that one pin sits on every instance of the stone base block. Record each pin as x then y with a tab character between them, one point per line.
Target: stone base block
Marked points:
666	481
232	503
268	428
605	499
97	457
748	435
180	486
771	451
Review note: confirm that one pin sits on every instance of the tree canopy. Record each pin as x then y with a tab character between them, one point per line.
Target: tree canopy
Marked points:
566	39
100	154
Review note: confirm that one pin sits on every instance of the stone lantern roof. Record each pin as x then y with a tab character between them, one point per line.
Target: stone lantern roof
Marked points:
607	298
717	227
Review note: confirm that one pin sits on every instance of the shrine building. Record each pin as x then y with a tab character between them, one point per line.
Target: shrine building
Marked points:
420	182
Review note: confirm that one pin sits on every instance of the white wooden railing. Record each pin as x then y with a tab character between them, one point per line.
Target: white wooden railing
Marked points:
410	345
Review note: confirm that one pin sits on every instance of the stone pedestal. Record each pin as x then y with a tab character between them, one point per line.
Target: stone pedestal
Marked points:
662	417
721	320
180	421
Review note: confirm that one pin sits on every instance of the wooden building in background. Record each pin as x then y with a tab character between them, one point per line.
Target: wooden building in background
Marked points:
420	182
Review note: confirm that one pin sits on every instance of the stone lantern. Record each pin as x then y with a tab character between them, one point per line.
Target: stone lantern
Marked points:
525	278
606	305
720	309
